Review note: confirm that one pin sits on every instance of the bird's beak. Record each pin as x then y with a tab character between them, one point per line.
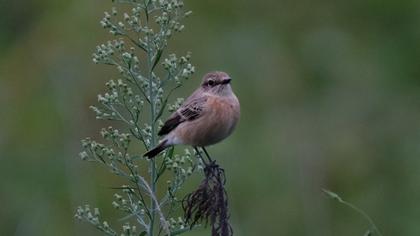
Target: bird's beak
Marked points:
226	81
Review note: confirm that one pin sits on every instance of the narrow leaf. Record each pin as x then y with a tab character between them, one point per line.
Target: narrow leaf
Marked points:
162	108
157	58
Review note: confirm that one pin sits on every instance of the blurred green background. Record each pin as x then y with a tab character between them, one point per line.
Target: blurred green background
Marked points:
330	95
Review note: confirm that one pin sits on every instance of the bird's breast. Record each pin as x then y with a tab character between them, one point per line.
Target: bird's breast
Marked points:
218	120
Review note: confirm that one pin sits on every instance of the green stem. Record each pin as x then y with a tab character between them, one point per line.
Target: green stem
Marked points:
366	216
358	210
152	161
153	140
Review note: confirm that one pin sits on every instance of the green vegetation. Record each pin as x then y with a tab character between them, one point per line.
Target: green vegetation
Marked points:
141	90
329	95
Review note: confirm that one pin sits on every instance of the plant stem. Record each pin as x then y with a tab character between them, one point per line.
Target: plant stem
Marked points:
153	140
152	161
358	210
366	216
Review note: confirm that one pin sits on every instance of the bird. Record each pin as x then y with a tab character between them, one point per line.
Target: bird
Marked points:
206	117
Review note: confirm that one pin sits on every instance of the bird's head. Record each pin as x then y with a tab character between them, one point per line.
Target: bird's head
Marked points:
217	83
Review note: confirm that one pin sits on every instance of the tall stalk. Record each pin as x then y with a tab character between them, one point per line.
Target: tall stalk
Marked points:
140	88
152	165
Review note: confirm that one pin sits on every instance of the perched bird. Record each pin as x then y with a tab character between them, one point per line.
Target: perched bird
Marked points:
208	116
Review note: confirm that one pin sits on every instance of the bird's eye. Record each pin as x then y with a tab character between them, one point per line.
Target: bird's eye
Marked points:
211	82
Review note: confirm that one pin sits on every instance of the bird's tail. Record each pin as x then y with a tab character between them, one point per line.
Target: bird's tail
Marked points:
158	149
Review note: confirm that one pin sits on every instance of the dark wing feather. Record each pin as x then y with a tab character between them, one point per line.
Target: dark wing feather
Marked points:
190	110
170	124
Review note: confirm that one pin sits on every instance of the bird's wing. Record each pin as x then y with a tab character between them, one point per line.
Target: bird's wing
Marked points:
190	110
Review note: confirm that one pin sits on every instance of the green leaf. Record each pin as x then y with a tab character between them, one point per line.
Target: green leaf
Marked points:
332	195
138	44
170	153
162	108
157	58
